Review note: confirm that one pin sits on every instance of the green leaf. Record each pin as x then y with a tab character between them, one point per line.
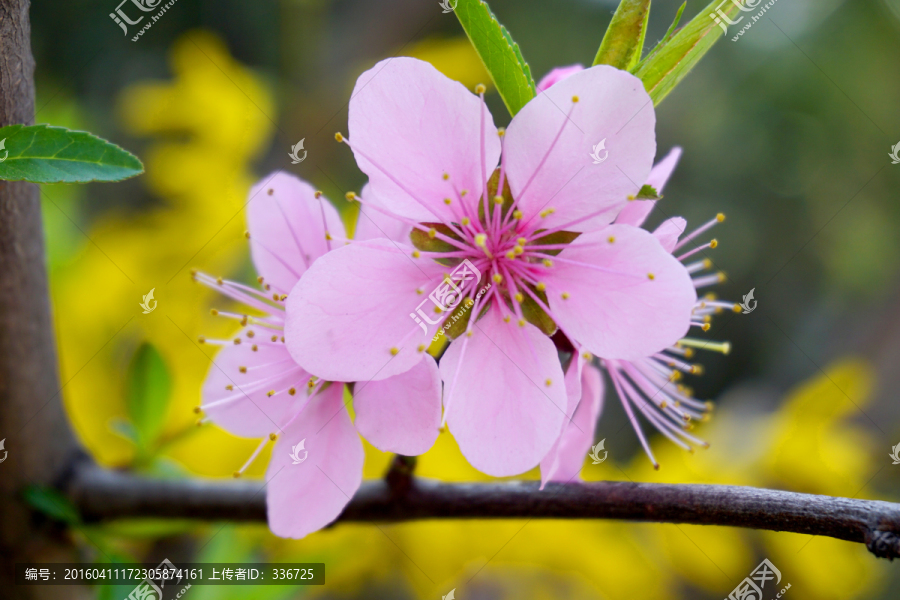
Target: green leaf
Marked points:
669	65
647	192
665	39
52	503
148	390
499	53
45	154
624	39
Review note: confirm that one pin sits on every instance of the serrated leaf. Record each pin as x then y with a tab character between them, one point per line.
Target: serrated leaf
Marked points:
499	53
647	192
52	503
669	65
45	154
147	396
624	38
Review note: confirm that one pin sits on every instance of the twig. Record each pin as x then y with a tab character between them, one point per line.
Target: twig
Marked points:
101	494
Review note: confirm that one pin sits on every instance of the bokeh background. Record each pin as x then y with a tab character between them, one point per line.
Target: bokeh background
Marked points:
786	131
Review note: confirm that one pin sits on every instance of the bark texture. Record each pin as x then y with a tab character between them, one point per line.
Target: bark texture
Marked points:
39	443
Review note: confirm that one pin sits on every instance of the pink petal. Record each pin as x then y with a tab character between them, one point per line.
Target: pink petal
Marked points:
556	75
246	410
613	307
305	497
373	223
401	414
669	231
636	212
409	125
564	461
612	108
287	226
353	307
501	411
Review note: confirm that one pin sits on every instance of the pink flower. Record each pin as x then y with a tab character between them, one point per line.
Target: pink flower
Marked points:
534	224
256	389
557	75
646	385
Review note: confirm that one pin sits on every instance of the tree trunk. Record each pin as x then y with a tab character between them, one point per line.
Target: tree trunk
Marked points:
40	446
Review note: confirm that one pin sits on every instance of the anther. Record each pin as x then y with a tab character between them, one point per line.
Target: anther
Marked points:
720	217
432	232
541	286
713	243
517	215
339	137
611	239
292	391
651	276
350	196
547	262
416	254
480	88
270	191
465	221
395	351
498	278
519	297
565	295
317	194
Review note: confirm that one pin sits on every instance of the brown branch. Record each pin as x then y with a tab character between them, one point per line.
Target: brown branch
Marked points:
38	441
103	494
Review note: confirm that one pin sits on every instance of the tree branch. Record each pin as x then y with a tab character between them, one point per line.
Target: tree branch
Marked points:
101	494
